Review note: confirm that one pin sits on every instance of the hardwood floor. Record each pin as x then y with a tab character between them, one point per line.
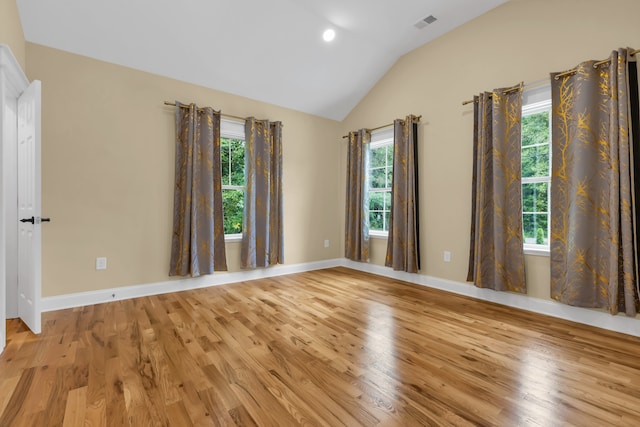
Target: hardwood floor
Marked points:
326	348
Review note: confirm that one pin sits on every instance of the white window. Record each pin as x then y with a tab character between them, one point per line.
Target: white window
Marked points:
536	169
233	176
379	179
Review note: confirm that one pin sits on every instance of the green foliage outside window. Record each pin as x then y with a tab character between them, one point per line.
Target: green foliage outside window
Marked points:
535	197
233	182
535	129
535	164
380	172
233	206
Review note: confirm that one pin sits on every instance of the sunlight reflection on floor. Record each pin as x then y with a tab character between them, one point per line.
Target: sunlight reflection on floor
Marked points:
380	346
538	388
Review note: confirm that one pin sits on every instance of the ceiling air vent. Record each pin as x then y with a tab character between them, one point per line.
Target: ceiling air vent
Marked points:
425	21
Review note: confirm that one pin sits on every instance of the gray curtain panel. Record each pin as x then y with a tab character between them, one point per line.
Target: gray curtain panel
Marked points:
496	256
357	219
197	245
593	251
403	245
262	234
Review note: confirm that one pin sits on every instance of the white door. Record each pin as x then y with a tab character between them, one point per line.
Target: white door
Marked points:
29	209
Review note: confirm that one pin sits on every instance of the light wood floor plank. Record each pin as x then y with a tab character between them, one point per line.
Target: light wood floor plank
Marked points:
332	347
76	408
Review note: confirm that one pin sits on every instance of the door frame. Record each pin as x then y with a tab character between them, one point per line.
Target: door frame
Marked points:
13	82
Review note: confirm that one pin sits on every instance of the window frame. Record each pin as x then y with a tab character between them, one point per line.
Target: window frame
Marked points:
379	138
233	129
536	101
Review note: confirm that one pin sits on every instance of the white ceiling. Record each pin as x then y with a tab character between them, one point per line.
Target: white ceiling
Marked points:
270	51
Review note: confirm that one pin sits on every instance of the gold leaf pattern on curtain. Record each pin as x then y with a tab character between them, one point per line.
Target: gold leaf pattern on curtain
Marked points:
403	244
593	253
197	245
496	255
357	219
262	233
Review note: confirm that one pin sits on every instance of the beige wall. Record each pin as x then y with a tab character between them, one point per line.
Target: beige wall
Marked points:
107	172
523	40
11	32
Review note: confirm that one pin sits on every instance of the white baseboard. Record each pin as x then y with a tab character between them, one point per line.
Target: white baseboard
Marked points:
619	323
80	299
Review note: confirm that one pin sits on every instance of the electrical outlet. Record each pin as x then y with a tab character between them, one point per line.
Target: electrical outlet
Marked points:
326	243
447	256
101	263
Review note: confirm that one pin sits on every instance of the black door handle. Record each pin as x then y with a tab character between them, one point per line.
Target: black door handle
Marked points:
32	220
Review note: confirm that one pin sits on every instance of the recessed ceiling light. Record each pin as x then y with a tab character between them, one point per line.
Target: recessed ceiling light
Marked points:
329	35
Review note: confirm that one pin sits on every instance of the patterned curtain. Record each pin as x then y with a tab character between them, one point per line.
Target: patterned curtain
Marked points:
197	246
593	252
403	245
496	256
262	237
357	220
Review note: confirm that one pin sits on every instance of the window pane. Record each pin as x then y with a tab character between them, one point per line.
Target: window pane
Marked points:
389	176
377	158
233	207
376	221
535	228
224	160
528	228
379	210
236	148
535	161
528	197
535	197
390	155
377	178
535	128
542	229
542	197
376	201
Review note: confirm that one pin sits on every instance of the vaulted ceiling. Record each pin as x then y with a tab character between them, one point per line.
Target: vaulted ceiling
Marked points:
272	51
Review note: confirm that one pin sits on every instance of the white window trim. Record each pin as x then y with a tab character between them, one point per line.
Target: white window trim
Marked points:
529	109
537	250
236	237
232	129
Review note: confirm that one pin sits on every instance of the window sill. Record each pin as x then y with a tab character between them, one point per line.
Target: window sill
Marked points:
379	234
233	237
536	250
